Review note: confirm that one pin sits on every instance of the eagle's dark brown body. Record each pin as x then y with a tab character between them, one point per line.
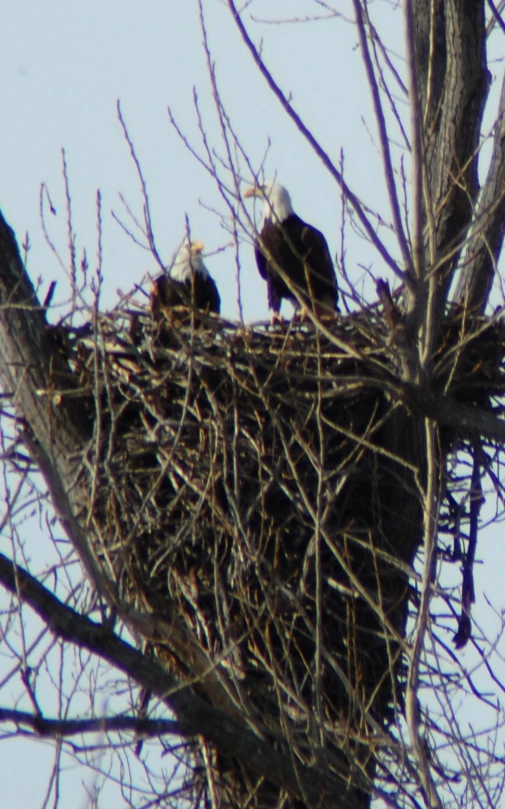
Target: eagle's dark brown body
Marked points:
199	292
186	284
292	256
302	253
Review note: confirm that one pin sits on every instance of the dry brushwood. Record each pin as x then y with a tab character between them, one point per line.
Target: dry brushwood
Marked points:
260	495
265	488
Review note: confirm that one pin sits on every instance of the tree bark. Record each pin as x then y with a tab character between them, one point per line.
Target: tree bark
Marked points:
196	717
488	228
453	82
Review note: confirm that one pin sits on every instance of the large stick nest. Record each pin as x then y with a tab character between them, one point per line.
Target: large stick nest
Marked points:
265	487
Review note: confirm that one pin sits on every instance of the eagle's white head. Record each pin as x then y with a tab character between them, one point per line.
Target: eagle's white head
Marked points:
276	198
188	259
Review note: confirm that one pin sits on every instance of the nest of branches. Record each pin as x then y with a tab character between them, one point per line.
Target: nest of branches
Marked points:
263	488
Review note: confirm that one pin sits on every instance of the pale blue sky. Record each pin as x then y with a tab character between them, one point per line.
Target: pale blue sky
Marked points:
64	65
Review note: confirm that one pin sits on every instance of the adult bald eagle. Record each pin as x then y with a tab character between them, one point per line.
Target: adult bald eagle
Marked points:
289	244
187	283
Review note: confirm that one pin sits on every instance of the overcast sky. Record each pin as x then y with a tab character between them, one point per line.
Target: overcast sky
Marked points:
64	67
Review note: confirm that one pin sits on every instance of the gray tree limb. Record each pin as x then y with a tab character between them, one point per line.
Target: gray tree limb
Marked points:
486	239
453	82
64	728
195	716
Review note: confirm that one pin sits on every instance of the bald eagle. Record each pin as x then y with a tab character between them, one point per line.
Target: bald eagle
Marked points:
187	283
300	251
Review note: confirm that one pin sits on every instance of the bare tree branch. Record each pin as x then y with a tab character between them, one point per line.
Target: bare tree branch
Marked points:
384	144
195	716
453	87
486	239
324	157
63	728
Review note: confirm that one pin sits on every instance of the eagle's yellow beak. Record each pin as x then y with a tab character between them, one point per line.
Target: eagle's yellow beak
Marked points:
196	248
254	191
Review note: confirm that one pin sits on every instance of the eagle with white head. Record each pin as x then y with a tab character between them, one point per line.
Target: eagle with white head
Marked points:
187	282
292	256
